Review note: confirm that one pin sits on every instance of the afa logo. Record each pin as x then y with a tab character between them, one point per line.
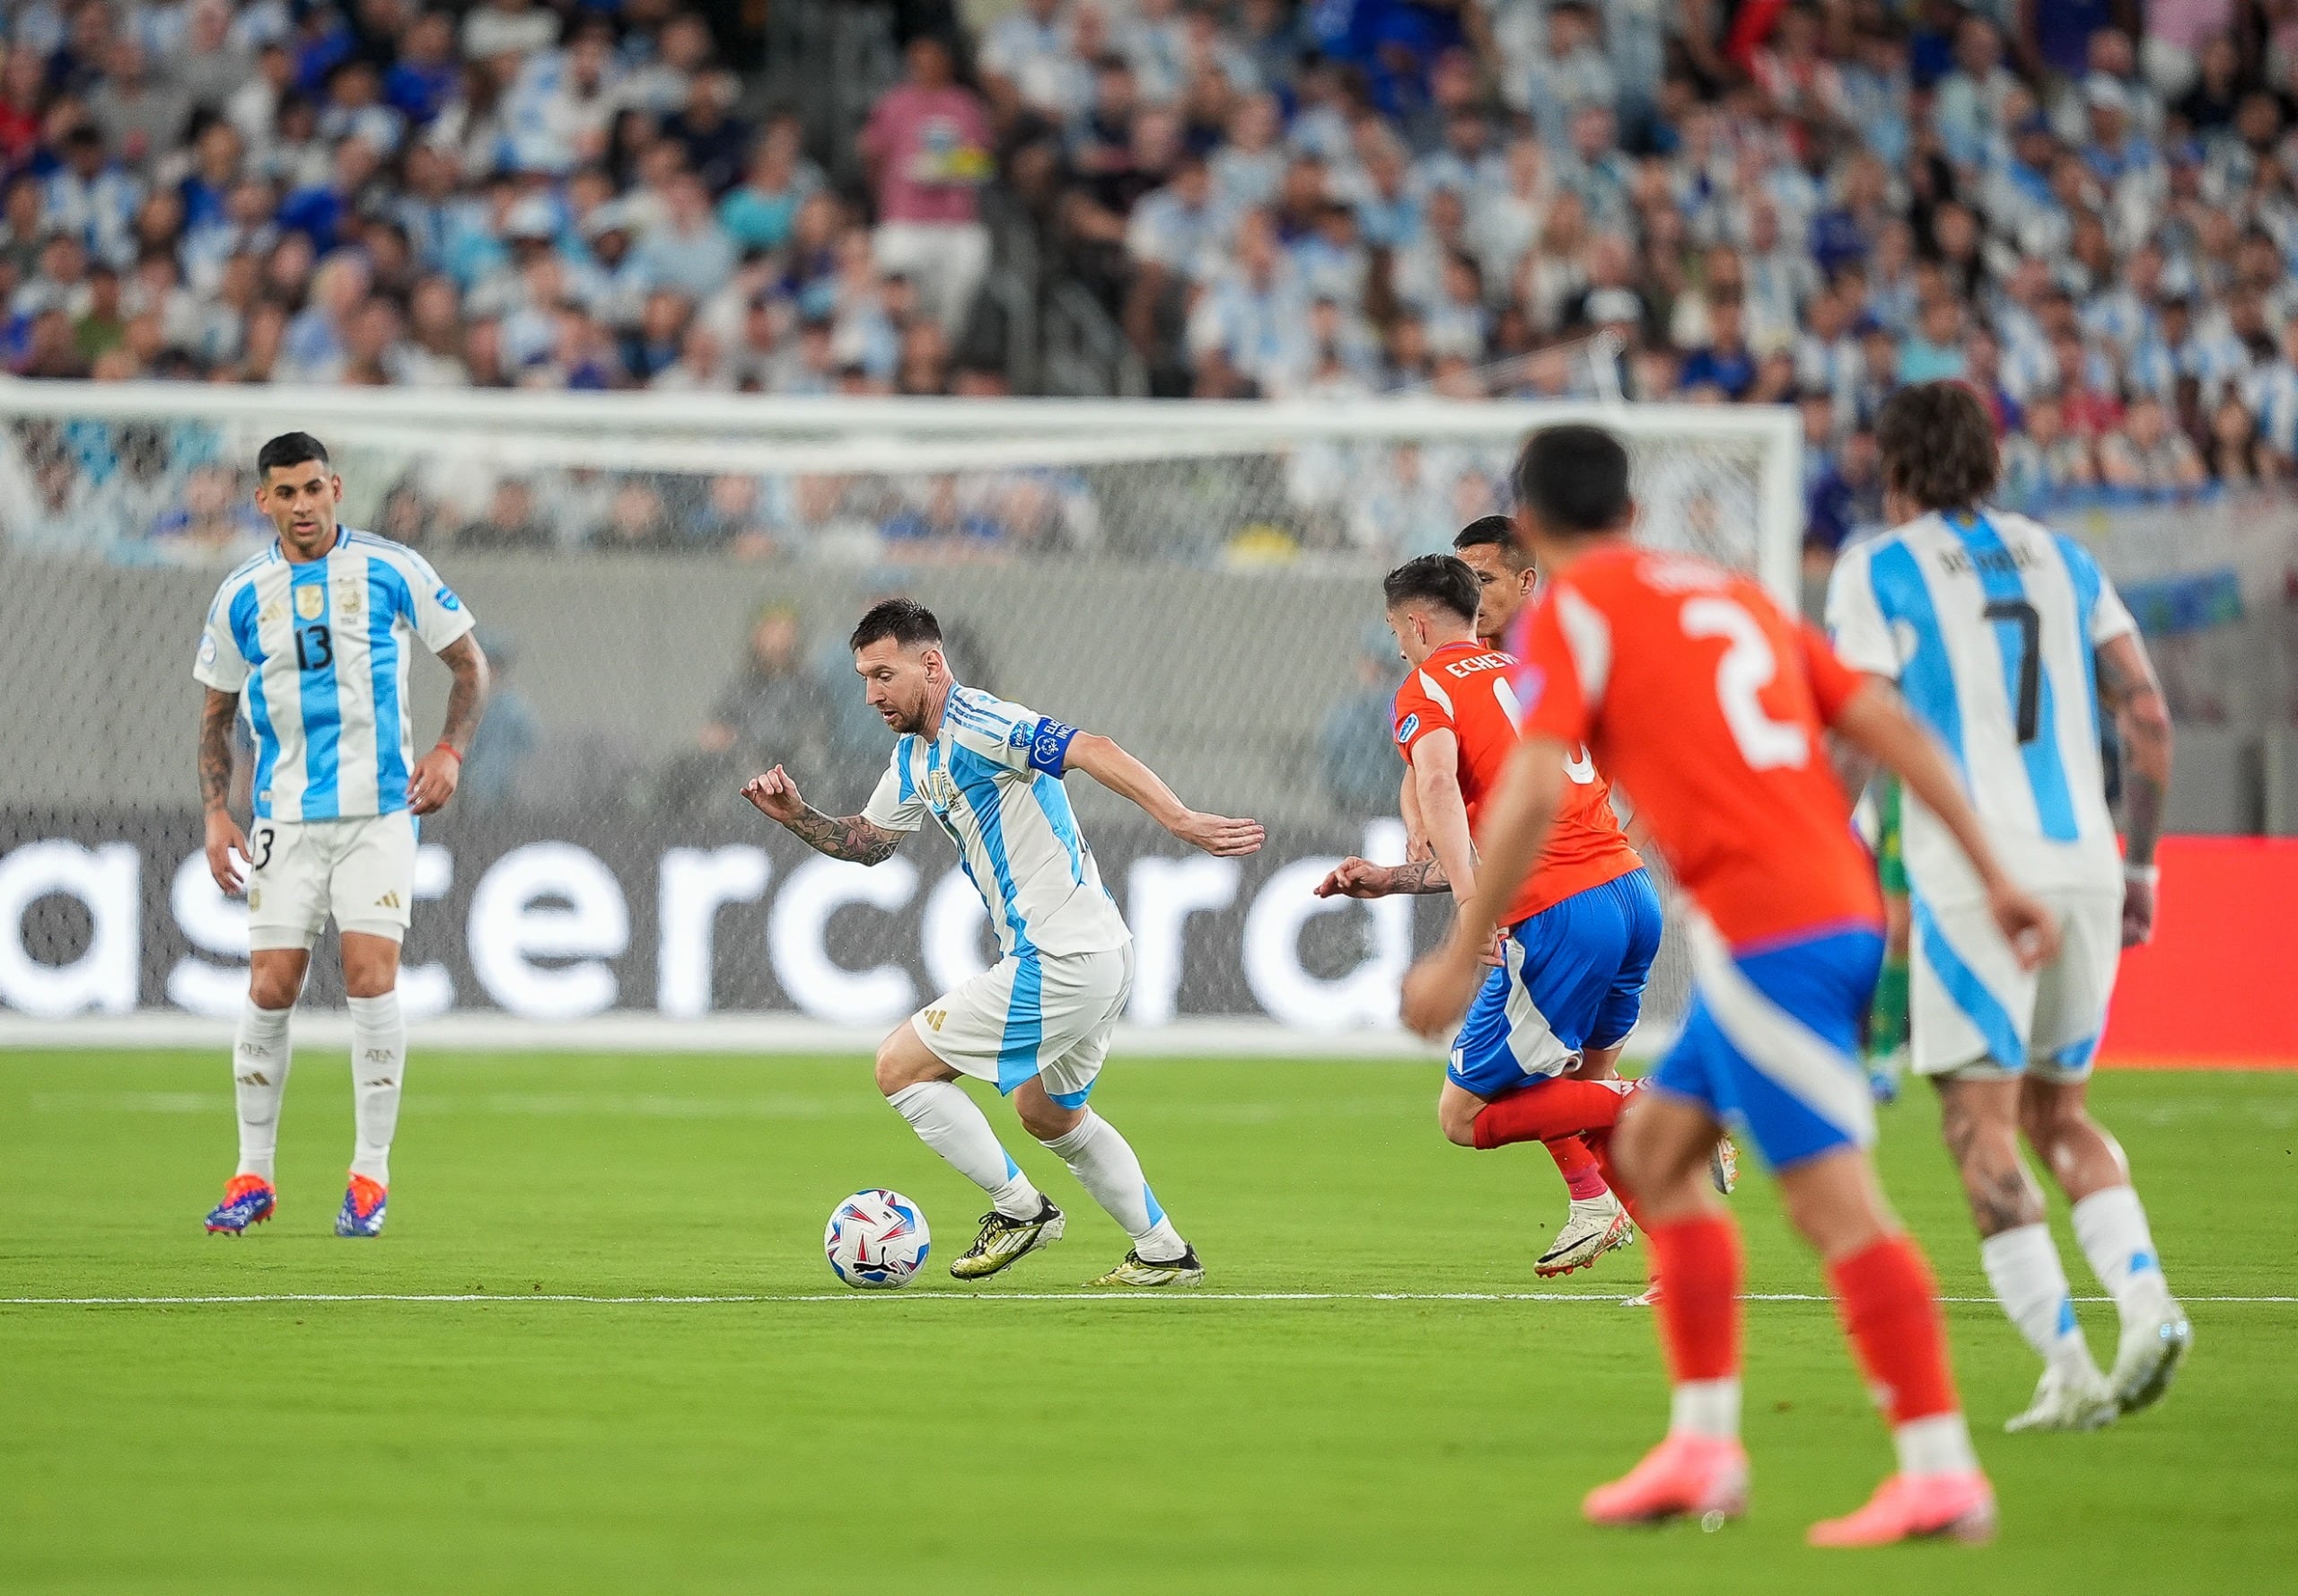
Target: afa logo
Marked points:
446	597
1019	737
1407	727
207	649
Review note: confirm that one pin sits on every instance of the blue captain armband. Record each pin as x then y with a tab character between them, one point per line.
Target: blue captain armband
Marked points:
1050	747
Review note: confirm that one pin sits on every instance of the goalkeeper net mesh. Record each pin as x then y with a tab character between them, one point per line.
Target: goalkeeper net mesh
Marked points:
665	585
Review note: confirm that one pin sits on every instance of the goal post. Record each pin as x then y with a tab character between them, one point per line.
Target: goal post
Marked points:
668	579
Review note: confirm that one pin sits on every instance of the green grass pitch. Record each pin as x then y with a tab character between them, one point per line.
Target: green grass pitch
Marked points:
931	1441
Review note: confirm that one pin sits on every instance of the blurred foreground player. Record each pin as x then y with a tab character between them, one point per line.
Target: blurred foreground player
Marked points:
1583	928
316	630
1700	698
2011	645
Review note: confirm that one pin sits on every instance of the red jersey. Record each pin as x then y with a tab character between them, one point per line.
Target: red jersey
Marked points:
1707	703
1467	689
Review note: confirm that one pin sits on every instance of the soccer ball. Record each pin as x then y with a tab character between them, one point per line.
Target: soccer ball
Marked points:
876	1239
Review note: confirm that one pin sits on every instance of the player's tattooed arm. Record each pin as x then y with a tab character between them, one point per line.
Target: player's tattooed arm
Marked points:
844	837
216	718
226	844
467	699
2128	687
1361	878
853	837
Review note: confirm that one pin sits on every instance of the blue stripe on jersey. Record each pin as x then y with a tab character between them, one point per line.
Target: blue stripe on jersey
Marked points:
322	708
246	633
977	779
388	598
1928	678
1968	992
2046	770
2082	571
1053	798
1017	1051
905	749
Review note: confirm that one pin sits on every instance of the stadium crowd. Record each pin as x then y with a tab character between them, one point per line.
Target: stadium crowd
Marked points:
2085	207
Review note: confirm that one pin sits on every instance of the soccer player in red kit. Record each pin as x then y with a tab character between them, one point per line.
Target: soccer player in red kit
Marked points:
1708	705
1582	927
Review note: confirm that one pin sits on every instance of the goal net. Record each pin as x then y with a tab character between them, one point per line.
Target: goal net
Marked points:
665	584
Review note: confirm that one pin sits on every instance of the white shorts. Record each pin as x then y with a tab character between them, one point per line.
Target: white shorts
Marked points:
1047	1015
360	871
1975	1013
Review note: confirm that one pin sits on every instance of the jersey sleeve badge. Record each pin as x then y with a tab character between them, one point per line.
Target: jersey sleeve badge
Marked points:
1407	727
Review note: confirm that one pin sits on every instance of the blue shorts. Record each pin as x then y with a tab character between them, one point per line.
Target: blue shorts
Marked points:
1572	977
1771	1045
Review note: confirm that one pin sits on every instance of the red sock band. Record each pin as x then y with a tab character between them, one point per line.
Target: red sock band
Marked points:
1547	1111
1890	1313
1577	1165
1697	1262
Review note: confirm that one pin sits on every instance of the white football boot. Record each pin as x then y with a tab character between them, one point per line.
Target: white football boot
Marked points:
1593	1228
2156	1340
2075	1398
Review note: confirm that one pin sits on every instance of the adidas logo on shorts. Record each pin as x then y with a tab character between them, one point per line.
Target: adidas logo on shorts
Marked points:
388	900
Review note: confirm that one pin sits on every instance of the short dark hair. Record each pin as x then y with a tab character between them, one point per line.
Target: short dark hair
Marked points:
288	448
1574	479
905	620
1491	531
1444	579
1938	445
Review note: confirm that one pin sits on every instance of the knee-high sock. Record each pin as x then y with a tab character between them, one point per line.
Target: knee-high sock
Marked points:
260	1056
378	1062
1891	1312
1104	1165
947	1121
1699	1261
2023	1266
1582	1176
1599	1144
1542	1113
2111	1225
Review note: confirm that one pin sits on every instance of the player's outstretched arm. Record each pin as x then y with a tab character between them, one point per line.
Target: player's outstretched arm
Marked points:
1443	812
1874	719
1102	759
437	774
2128	689
1361	878
844	836
223	834
1437	989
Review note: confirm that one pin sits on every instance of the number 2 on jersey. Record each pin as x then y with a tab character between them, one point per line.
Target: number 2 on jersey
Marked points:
1746	668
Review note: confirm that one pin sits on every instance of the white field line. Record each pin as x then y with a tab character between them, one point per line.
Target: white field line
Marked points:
946	1296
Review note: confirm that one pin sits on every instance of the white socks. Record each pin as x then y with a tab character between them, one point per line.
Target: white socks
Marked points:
1105	1165
378	1060
2023	1266
260	1060
1939	1444
1709	1407
948	1121
2111	1225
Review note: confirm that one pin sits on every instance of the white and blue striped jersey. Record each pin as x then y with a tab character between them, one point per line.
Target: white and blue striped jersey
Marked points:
320	651
1990	625
991	780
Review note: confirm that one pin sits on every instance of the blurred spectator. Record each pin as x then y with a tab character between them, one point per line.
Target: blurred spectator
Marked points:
508	736
510	521
774	711
927	148
1356	757
2147	454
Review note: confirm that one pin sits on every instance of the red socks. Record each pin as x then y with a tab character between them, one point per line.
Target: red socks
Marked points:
1886	1296
1699	1262
1548	1112
1577	1165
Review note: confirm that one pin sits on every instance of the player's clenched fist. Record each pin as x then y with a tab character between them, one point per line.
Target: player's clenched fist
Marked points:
776	795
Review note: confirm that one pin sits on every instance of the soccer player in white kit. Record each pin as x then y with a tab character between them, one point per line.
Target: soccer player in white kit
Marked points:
315	631
1037	1023
2010	643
